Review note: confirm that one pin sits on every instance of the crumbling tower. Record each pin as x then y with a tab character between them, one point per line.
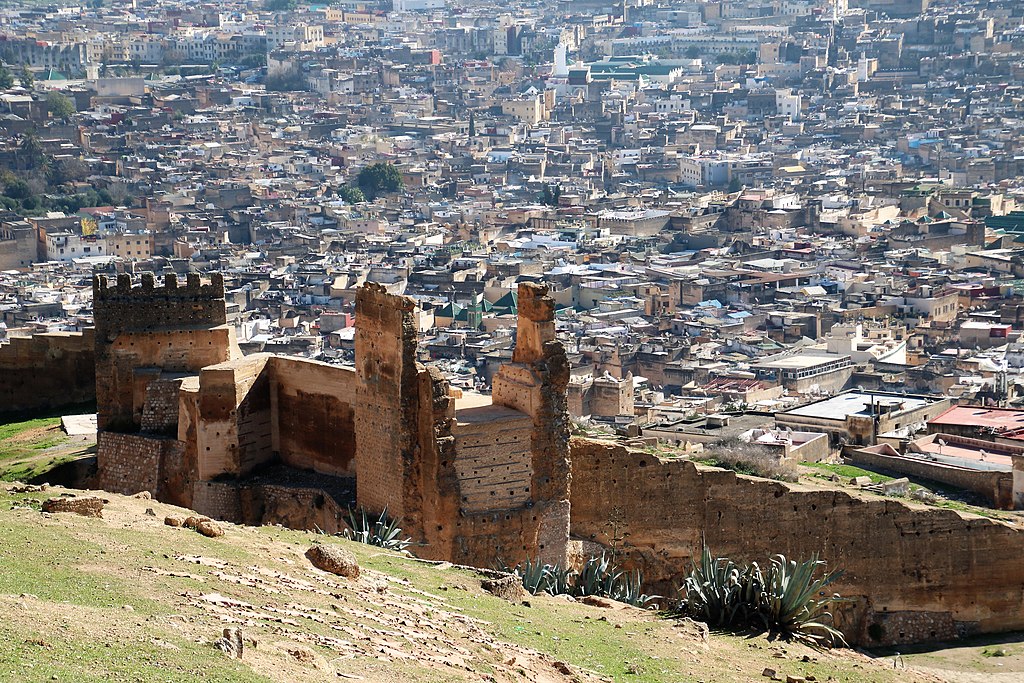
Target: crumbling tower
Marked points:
143	331
149	340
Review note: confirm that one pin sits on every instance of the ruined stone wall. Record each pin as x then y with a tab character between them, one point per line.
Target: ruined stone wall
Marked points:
220	500
47	371
296	508
387	402
913	573
535	383
160	407
170	328
313	415
136	462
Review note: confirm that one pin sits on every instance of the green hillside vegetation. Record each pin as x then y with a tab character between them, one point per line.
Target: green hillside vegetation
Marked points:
126	598
32	448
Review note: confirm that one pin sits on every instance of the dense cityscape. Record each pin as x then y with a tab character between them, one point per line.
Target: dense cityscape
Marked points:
782	238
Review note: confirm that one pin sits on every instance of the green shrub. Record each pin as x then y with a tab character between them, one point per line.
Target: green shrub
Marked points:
383	531
598	576
787	599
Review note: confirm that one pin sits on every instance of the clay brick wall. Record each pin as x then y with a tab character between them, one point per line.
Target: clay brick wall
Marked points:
387	397
493	461
911	571
47	371
313	417
611	398
233	432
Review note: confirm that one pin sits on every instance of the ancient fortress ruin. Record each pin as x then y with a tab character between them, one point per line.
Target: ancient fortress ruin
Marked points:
271	439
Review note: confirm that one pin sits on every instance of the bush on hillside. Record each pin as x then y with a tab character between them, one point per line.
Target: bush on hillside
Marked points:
786	599
597	577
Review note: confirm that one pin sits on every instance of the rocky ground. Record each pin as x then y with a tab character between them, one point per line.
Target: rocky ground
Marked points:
125	597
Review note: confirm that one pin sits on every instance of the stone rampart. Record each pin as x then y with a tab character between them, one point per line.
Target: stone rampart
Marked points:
47	371
136	462
912	573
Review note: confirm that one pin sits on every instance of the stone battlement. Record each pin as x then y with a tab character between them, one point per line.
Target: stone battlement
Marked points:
193	287
123	307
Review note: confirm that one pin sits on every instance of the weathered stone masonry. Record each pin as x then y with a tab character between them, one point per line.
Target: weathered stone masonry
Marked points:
473	485
285	440
913	574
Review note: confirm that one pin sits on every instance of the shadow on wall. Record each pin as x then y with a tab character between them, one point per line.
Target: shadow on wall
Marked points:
913	574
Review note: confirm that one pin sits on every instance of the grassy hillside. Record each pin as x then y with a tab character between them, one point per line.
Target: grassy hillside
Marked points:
126	598
34	447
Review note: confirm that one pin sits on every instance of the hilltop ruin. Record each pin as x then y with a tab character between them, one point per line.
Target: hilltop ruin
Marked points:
273	439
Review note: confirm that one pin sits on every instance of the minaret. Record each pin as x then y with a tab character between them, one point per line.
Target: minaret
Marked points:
561	69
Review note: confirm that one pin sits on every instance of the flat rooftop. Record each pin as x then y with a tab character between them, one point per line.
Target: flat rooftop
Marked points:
970	453
1002	419
799	362
856	403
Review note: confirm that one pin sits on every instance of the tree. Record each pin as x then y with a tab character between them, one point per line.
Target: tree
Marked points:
549	195
472	124
6	79
67	170
26	78
30	152
60	106
380	178
280	5
351	195
17	189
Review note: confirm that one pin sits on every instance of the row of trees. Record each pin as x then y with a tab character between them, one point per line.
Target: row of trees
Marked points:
38	182
25	77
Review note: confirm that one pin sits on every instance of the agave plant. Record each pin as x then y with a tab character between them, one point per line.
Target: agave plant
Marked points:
795	603
630	590
383	531
712	590
787	600
535	575
598	577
